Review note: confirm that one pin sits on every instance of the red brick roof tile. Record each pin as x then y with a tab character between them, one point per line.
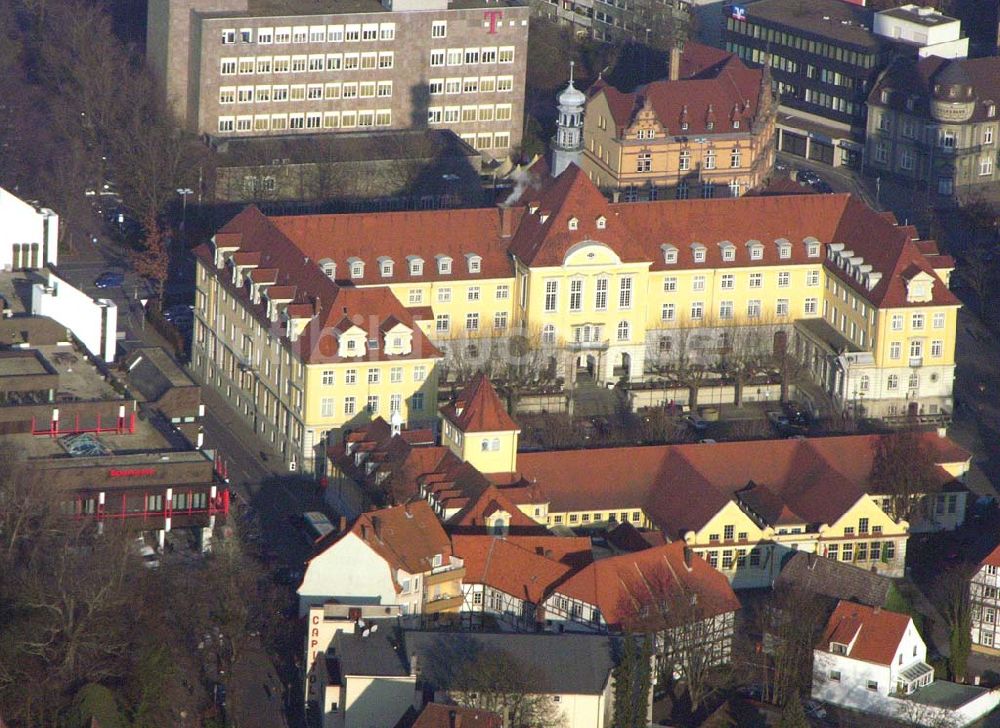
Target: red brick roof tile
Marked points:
504	565
876	632
478	408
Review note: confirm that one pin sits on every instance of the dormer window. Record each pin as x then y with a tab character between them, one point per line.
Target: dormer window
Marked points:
444	265
669	254
351	344
736	123
991	110
710	125
373	344
329	268
573	223
784	248
698	251
756	249
812	247
385	267
357	268
684	126
475	262
416	266
885	95
838	648
728	251
602	222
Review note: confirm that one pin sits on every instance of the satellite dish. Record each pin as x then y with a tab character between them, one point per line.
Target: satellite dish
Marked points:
366	632
374	628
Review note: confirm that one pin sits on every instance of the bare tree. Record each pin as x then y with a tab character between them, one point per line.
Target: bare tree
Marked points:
498	682
903	468
691	631
950	594
153	261
682	356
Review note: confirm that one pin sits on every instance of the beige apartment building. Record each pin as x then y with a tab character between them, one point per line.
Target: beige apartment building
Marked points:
241	68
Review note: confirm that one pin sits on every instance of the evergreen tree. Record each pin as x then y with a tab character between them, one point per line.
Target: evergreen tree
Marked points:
792	714
633	680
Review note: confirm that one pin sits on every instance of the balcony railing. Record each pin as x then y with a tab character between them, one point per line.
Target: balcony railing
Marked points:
441	576
588	345
916	361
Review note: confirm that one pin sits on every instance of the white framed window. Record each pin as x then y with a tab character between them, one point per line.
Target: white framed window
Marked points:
601	294
781	307
895	350
670	284
576	294
725	310
387	31
625	292
698	283
551	296
668	312
753	308
472	322
624	331
473	293
812	278
437	57
938	320
756	280
439	29
697	310
810	306
503	292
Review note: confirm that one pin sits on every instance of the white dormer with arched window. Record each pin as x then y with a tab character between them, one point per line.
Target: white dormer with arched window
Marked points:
351	342
756	249
415	264
356	266
443	264
328	267
398	339
812	246
698	251
573	223
728	250
474	261
602	222
385	266
669	253
920	288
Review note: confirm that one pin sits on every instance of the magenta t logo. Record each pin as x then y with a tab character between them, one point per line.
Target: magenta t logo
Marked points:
493	16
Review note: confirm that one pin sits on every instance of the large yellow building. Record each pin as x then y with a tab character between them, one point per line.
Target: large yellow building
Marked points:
314	323
709	133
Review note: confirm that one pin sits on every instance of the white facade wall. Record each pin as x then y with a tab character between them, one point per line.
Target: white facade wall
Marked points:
984	596
941	39
350	572
852	689
373	701
94	321
22	225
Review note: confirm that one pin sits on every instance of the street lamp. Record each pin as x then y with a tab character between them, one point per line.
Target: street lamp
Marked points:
184	192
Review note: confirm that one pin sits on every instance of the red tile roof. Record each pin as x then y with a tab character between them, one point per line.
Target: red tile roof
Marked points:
876	632
717	90
408	537
992	558
436	715
297	277
681	487
615	583
488	502
478	408
502	564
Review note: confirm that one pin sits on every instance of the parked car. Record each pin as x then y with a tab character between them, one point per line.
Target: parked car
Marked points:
181	316
150	559
695	422
796	414
806	176
815	709
110	279
822	186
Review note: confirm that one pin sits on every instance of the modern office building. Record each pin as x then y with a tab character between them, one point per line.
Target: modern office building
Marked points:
922	31
260	67
707	131
933	123
824	58
658	23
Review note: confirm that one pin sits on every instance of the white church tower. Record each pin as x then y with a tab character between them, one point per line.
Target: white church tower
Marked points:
567	147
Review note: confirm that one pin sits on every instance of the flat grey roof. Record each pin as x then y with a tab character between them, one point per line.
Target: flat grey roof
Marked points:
834	19
929	20
823	331
944	694
566	663
22	364
378	654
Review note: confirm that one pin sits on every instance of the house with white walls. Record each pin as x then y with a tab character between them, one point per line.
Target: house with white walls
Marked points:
394	556
984	599
872	660
29	235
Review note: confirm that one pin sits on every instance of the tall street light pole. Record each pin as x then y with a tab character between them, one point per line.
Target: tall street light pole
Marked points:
184	192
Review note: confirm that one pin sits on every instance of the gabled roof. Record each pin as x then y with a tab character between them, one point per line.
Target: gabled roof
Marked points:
439	715
478	408
834	579
717	87
296	277
876	632
992	558
488	502
407	537
910	80
614	583
502	564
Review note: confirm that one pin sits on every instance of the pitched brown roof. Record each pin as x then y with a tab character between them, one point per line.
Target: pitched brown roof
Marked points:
909	80
992	558
438	715
478	408
488	502
681	487
876	632
502	564
408	537
835	579
613	583
297	277
717	88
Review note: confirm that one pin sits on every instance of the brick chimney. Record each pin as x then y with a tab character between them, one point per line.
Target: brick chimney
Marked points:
675	62
506	221
454	719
